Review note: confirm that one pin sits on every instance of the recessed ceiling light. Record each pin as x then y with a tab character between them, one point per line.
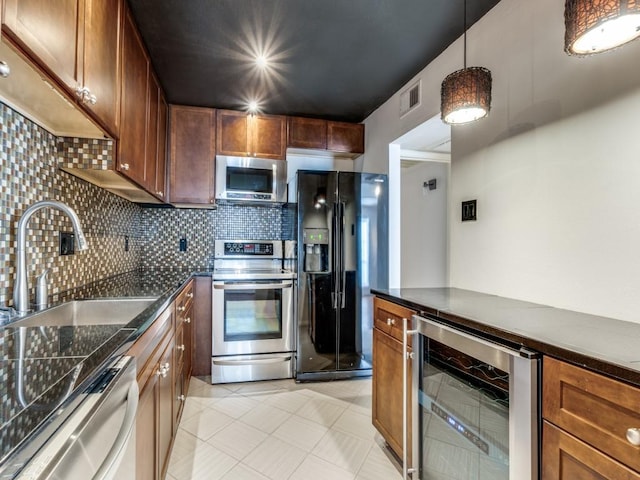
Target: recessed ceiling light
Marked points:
261	61
253	106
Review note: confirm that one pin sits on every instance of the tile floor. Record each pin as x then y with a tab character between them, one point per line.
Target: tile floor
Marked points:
280	430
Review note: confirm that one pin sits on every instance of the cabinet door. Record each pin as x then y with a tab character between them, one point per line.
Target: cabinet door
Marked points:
192	157
564	457
345	137
146	431
201	321
151	129
133	114
49	31
596	409
307	133
232	133
268	136
165	407
101	62
386	407
161	159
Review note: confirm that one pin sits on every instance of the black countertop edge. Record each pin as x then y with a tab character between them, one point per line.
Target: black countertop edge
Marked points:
515	340
94	365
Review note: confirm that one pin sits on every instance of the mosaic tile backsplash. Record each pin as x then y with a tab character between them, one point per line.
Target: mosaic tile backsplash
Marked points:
29	160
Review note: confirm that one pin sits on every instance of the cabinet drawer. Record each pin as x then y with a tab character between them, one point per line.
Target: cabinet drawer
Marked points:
143	349
564	457
388	317
180	348
185	299
596	409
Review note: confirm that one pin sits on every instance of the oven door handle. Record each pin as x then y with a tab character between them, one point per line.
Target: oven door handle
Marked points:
259	361
253	286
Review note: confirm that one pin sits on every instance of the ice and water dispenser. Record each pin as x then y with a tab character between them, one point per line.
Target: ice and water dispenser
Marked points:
316	250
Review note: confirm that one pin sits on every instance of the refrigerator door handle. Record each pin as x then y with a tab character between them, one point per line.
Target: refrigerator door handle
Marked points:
343	270
335	295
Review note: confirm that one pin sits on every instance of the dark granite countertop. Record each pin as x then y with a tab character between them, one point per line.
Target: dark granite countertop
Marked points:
42	369
602	344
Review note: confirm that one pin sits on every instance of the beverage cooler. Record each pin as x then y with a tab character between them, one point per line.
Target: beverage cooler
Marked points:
475	406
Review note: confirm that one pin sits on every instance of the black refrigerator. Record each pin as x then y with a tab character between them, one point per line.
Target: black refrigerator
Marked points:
342	254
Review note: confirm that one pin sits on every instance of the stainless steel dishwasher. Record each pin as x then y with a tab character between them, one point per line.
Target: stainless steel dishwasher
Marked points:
97	441
475	408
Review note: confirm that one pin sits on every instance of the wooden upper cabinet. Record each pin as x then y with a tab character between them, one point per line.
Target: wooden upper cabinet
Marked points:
49	31
101	61
269	136
133	113
151	149
345	137
160	187
307	133
78	43
192	155
232	133
241	134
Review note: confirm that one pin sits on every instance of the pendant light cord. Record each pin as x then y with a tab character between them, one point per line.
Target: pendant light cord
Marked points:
464	22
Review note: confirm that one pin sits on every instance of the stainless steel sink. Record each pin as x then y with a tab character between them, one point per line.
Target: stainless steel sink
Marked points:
110	311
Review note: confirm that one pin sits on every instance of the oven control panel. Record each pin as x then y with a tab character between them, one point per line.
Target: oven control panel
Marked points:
245	248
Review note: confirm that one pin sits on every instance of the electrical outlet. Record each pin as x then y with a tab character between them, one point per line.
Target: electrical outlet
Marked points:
67	243
183	244
469	210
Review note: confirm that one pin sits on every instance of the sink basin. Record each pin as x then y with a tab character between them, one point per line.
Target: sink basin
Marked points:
112	311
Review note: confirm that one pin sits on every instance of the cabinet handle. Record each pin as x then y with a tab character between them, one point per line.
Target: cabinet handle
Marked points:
160	194
187	320
162	371
124	166
167	366
180	347
182	398
182	308
5	71
391	321
190	294
85	95
633	436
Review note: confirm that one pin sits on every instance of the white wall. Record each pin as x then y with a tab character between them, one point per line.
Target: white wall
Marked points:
424	226
555	167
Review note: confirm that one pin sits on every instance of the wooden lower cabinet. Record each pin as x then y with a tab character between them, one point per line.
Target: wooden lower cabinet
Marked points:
567	458
586	417
387	383
147	431
163	378
202	326
165	408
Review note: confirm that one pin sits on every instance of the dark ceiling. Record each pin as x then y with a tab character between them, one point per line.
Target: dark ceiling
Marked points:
333	59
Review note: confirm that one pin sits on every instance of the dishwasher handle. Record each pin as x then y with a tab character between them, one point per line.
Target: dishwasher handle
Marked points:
112	461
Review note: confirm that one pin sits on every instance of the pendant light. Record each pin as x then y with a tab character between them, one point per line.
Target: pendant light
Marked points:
465	95
594	26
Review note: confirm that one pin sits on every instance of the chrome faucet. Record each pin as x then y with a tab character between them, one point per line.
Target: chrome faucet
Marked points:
20	289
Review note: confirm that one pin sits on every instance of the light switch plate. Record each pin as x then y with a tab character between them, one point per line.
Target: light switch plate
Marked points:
469	210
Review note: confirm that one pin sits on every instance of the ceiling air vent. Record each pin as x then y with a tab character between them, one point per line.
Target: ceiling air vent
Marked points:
410	98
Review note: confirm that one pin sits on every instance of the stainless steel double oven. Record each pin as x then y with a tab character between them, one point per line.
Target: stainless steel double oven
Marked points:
253	312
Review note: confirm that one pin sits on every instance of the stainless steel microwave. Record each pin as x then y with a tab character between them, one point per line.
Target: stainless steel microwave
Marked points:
254	180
